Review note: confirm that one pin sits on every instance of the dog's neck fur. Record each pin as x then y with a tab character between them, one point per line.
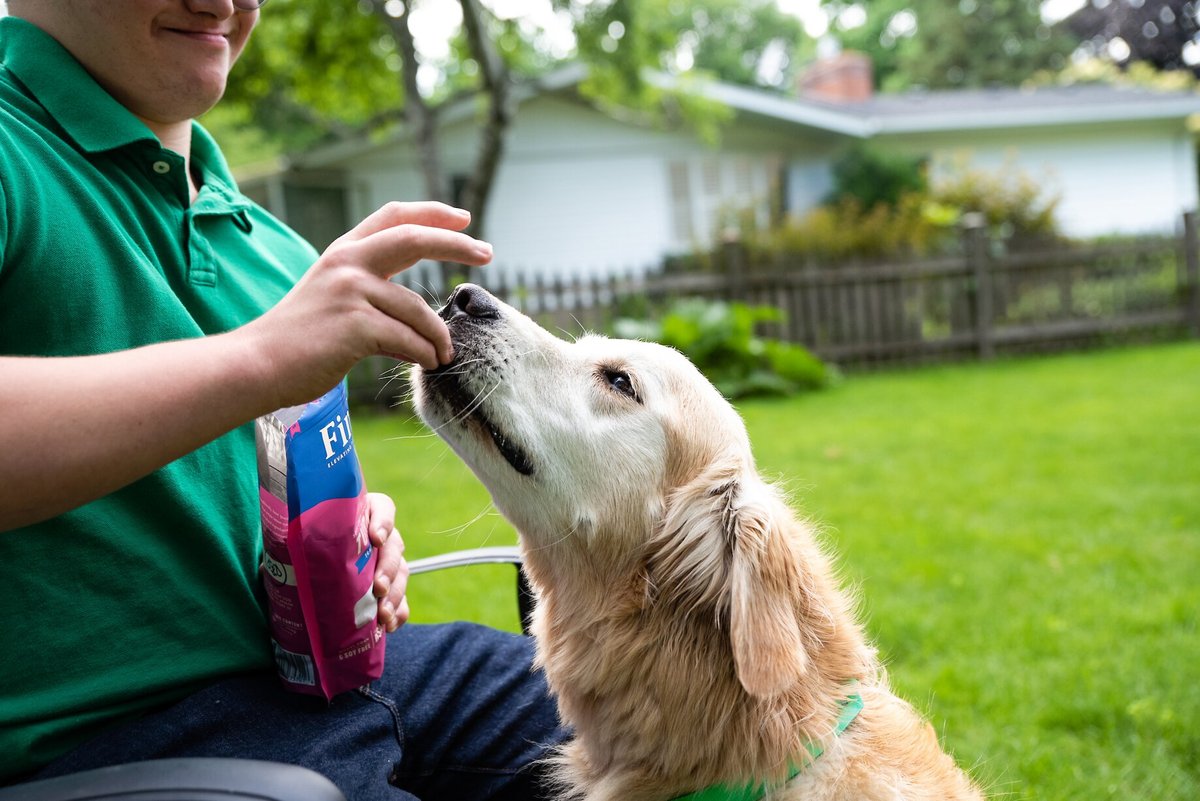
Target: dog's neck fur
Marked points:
634	670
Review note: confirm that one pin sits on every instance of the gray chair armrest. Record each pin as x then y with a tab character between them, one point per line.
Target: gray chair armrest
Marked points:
499	554
193	779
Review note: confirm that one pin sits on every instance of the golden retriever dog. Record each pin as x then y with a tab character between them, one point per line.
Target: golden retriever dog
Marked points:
688	623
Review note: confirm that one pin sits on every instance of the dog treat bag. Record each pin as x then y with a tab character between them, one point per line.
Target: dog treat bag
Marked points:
318	563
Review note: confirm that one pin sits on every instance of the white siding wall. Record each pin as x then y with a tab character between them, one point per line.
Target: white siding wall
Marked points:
579	192
1128	179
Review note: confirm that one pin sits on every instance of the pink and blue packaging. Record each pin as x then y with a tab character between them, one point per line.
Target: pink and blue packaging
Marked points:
318	562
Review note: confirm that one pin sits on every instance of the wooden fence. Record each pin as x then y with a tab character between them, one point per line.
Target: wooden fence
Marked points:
990	297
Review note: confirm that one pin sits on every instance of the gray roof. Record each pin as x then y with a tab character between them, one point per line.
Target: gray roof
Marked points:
912	112
1077	96
1010	107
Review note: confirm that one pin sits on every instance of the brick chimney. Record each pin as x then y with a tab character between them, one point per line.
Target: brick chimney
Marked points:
843	78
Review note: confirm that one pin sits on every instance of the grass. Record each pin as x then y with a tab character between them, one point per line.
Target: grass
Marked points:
1024	536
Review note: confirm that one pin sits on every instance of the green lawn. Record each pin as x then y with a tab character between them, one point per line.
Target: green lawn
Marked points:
1024	536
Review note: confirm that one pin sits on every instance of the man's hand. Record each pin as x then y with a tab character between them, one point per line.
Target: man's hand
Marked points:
345	308
391	571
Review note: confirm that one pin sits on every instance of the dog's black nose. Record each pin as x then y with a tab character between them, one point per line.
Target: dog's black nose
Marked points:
471	301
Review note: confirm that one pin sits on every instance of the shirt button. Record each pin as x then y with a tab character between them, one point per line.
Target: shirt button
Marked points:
162	167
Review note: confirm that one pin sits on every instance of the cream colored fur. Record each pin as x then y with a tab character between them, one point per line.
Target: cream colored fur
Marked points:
688	623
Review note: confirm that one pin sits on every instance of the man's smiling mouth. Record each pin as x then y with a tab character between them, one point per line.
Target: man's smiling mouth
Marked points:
215	38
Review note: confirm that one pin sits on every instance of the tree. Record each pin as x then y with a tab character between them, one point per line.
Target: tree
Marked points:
358	63
312	71
939	44
319	70
1162	33
748	43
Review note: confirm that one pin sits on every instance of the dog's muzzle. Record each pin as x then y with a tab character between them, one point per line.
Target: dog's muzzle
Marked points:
470	314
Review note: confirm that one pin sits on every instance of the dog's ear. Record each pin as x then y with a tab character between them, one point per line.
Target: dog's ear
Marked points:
725	548
765	587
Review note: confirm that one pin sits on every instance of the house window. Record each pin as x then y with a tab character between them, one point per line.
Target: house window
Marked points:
714	193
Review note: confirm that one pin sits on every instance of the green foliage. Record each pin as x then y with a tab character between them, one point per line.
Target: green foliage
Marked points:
720	340
919	222
1012	201
845	231
731	40
723	39
242	141
936	44
312	69
1101	71
872	175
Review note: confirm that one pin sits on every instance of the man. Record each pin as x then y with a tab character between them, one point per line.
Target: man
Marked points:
148	313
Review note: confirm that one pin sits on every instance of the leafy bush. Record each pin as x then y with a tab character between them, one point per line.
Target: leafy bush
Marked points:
720	340
873	176
847	230
906	217
1012	202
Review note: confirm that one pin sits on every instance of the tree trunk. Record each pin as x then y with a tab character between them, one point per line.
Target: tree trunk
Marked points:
498	88
422	120
419	115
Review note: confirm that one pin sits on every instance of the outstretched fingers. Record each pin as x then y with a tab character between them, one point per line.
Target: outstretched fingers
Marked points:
425	212
410	329
396	248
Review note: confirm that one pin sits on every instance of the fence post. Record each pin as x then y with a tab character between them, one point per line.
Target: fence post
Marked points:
1191	251
975	233
734	263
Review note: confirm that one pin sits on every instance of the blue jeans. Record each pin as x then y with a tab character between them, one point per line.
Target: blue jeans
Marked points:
457	714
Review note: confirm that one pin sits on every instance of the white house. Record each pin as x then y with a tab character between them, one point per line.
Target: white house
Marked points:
579	190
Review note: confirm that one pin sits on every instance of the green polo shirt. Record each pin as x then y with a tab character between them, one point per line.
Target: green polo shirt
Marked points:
141	597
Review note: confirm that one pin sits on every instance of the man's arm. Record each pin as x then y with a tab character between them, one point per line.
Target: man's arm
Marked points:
77	428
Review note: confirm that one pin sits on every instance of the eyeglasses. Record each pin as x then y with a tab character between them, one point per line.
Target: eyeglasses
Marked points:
248	5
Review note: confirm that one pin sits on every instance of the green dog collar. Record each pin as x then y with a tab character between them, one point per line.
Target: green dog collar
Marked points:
850	707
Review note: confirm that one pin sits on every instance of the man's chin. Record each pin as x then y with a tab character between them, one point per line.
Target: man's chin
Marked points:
191	102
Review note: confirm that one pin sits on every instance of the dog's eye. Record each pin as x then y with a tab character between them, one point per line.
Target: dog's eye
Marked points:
619	381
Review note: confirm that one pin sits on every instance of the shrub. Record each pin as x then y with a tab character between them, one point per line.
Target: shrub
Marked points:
720	340
847	230
872	176
905	218
1012	202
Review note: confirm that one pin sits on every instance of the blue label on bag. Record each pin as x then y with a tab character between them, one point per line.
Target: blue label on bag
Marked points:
322	462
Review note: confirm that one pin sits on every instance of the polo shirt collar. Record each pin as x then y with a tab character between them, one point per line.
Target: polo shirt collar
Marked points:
88	114
218	180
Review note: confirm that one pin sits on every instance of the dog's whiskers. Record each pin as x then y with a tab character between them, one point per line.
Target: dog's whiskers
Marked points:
475	403
425	288
583	331
458	366
570	533
460	528
437	463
